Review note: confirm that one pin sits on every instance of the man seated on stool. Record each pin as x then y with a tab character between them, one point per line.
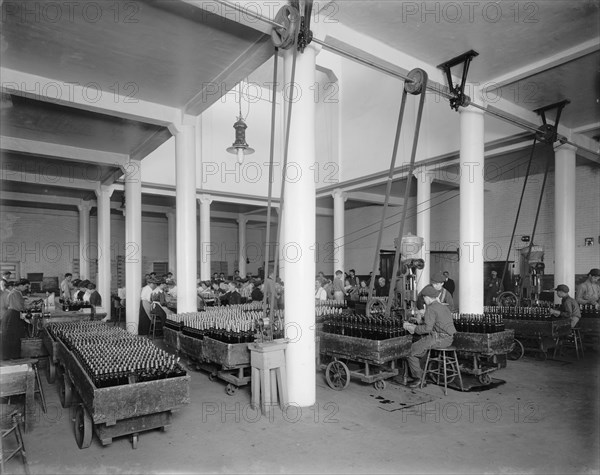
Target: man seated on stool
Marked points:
438	327
569	308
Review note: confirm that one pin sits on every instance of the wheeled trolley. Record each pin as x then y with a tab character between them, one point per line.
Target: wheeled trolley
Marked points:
115	411
480	354
229	362
370	361
538	336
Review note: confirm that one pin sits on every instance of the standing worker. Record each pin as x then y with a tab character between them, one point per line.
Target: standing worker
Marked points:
449	284
339	293
13	326
493	288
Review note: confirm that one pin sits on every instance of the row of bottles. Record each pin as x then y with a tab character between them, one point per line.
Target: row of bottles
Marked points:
331	303
521	313
69	305
361	326
111	356
478	323
589	311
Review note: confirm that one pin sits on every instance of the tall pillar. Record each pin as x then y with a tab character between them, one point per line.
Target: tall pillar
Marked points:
339	249
84	240
103	285
185	201
133	244
242	220
471	211
205	244
424	180
298	247
564	216
172	237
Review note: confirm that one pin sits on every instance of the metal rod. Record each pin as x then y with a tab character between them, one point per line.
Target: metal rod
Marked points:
512	236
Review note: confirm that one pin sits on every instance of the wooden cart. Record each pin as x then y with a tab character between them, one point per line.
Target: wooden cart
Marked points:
480	354
229	362
538	336
118	410
370	361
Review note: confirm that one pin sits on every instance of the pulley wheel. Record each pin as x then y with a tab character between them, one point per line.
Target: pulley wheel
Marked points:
375	306
507	299
83	428
289	17
417	81
337	375
546	133
516	351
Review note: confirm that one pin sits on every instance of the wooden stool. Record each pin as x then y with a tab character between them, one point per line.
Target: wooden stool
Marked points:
573	340
15	429
268	374
447	366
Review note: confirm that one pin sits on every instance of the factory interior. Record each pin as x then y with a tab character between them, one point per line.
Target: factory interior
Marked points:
343	236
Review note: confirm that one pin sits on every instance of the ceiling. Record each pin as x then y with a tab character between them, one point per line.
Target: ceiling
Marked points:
168	52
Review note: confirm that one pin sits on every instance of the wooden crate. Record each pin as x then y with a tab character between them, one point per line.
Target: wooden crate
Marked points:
484	343
363	350
539	329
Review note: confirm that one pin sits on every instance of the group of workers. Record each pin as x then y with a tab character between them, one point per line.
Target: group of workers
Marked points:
79	290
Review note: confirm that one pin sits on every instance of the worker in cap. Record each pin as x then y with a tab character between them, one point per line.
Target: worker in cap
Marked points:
492	288
569	308
445	297
588	292
437	328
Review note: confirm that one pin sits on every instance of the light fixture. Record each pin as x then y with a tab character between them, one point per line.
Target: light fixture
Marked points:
240	147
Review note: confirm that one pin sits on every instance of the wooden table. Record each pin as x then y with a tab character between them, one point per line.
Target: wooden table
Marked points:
17	377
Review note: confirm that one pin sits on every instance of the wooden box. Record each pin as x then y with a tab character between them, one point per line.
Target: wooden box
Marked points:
361	349
484	343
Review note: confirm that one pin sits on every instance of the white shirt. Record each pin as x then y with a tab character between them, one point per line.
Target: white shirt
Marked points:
146	294
321	294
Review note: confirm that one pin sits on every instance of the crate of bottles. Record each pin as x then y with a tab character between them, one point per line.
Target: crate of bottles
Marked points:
371	339
589	323
171	338
532	322
118	376
484	343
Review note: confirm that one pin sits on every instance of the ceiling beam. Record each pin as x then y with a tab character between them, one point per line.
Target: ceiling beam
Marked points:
32	198
374	198
48	180
544	64
63	152
74	95
150	144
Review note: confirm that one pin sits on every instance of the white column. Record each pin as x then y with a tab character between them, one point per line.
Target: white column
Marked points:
339	249
471	211
133	244
564	216
84	240
424	179
185	200
298	248
205	245
103	285
172	237
242	244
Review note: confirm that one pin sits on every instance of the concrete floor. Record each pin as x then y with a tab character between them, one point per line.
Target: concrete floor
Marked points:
543	420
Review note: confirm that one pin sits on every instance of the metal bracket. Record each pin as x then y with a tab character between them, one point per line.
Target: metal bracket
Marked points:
305	36
460	99
548	133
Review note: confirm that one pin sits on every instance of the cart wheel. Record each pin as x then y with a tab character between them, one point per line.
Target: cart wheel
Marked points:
230	389
134	441
51	371
379	385
484	379
541	356
66	391
83	428
212	376
516	351
337	375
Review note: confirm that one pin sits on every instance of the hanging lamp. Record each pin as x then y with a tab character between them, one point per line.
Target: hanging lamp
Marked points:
240	147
